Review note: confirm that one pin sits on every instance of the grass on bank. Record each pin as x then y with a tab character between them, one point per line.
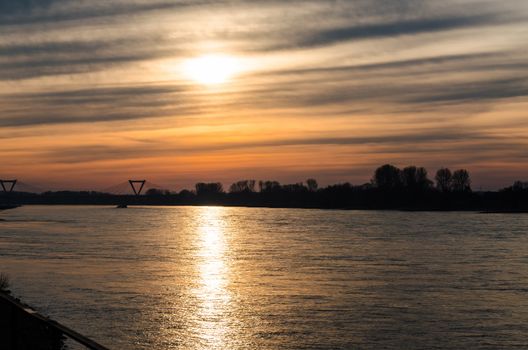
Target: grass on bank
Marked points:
4	282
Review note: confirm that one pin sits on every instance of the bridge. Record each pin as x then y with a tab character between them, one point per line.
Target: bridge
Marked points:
14	192
129	187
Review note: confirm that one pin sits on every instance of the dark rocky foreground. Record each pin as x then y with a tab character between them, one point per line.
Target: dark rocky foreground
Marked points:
21	328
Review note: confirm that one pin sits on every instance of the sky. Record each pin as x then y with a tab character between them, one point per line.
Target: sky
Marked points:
93	93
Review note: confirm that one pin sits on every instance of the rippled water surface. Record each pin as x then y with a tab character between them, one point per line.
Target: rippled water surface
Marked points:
243	278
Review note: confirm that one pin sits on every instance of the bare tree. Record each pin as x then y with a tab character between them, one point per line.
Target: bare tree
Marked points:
243	186
410	177
443	179
269	186
422	181
461	181
520	186
312	185
209	188
414	178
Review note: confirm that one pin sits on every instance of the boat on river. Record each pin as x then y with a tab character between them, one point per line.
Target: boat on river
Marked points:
8	206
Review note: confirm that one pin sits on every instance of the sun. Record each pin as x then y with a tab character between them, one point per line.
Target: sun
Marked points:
211	69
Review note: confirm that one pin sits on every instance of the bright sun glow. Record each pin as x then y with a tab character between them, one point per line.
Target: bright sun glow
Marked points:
211	69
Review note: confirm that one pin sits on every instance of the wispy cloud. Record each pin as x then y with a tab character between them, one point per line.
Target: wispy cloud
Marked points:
17	7
384	30
431	141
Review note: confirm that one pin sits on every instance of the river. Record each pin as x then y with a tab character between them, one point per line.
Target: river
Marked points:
255	278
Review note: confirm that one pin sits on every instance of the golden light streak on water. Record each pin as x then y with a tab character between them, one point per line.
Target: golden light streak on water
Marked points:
212	293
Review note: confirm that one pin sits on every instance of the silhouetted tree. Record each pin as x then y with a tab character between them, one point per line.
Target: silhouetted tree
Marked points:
387	177
156	192
519	186
242	186
460	181
269	186
365	187
410	177
209	188
443	179
186	194
422	181
312	185
294	188
415	179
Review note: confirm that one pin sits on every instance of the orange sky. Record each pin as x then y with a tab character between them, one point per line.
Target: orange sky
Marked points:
94	93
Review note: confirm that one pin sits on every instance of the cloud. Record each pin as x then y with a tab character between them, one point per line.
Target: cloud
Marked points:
60	48
15	7
100	152
477	91
21	12
441	60
414	86
26	60
384	30
322	24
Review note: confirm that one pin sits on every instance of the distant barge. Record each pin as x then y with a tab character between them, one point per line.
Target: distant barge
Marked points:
513	211
6	206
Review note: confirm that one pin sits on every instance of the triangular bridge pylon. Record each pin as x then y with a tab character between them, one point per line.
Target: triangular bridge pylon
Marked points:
8	185
137	186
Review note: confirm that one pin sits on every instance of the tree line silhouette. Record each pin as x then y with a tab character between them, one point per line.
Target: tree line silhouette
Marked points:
409	188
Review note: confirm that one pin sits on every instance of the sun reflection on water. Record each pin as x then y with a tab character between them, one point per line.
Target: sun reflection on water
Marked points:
212	294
